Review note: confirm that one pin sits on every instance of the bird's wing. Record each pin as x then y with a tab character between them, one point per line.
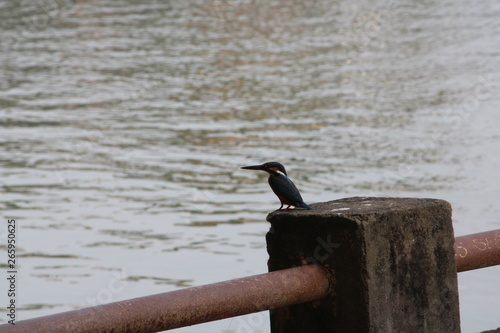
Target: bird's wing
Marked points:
284	187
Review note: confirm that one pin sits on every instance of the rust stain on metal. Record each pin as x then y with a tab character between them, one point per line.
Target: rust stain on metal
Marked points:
477	250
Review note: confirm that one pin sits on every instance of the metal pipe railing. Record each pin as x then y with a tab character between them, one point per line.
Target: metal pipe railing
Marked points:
188	306
477	250
228	299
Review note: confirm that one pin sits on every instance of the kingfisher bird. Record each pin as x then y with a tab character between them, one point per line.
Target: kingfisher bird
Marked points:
281	185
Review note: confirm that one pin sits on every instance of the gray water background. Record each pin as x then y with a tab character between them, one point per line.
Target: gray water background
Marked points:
124	124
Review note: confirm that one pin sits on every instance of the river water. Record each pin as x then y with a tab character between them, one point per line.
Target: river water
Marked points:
124	124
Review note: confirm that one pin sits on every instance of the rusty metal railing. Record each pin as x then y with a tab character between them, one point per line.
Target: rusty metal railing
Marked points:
228	299
187	306
477	250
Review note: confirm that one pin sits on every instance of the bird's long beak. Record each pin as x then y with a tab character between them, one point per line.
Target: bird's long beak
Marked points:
254	167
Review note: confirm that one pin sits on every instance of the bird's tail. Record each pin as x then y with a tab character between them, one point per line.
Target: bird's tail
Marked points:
303	205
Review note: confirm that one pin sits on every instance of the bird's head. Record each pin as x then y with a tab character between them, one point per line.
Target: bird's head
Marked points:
273	168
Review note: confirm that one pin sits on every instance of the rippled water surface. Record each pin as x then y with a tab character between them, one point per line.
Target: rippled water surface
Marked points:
124	124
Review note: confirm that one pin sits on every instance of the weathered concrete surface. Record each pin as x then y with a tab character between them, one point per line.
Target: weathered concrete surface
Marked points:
391	262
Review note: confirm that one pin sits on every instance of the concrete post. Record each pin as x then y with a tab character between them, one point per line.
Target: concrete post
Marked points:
390	261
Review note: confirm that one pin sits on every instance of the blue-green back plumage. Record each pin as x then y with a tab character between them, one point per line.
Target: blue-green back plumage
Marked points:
284	188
